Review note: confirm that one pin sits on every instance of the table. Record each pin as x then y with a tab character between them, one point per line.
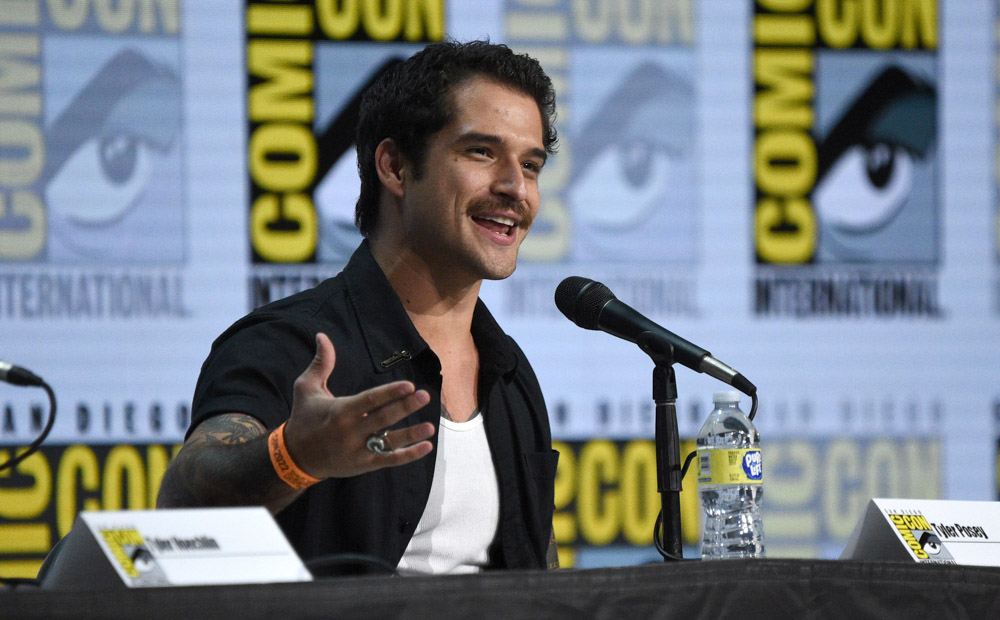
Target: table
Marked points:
772	588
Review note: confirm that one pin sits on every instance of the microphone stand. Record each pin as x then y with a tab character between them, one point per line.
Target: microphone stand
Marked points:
668	453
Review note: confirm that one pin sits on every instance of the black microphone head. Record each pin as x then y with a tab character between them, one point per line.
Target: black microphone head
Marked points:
582	300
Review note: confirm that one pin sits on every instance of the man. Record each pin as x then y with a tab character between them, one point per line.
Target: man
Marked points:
405	359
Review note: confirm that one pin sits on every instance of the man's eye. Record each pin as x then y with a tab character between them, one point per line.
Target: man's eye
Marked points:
479	150
532	166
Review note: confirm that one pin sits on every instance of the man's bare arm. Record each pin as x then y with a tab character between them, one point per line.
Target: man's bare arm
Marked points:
225	463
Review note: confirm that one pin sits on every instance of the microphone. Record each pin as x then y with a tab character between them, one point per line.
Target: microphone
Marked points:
591	305
15	375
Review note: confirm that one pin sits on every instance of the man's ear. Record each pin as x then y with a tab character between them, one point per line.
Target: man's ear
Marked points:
389	163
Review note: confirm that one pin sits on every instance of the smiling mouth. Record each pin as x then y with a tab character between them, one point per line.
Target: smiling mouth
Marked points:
497	224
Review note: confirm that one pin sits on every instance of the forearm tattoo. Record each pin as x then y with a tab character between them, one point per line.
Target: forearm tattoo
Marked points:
224	463
230	429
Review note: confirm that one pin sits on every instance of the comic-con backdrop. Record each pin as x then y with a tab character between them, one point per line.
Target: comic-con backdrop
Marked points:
807	188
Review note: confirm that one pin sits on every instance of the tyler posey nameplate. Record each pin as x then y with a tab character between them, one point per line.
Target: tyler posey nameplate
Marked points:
924	530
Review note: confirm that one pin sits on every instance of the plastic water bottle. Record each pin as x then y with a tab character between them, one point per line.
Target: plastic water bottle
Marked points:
730	477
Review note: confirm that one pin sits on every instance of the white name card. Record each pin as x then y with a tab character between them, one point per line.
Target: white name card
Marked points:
927	530
185	547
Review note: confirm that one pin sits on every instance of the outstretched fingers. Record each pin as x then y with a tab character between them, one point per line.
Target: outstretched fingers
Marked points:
383	406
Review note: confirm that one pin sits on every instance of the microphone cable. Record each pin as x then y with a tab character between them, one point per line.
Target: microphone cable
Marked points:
34	445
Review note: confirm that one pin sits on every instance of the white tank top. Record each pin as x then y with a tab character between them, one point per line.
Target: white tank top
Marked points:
463	509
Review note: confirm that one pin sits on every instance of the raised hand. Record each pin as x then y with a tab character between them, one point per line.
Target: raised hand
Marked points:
326	435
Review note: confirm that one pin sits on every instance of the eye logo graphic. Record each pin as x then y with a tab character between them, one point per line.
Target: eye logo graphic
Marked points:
875	189
337	183
923	542
847	220
133	557
141	558
931	544
632	191
112	176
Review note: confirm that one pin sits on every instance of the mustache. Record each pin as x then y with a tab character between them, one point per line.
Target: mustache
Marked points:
492	204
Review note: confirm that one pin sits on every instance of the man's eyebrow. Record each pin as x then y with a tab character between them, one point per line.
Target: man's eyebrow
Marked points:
540	154
488	138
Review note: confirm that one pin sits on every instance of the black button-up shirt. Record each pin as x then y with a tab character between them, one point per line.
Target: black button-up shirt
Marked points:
254	363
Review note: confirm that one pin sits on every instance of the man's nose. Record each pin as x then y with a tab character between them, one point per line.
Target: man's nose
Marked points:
510	181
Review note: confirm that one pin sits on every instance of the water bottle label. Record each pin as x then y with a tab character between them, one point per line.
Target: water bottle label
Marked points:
717	466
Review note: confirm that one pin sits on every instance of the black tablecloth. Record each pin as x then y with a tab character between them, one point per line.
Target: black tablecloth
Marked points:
726	589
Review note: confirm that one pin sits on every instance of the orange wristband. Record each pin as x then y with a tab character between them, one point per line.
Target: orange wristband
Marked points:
283	464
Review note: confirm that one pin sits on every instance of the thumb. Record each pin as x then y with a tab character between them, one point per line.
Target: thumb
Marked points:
315	376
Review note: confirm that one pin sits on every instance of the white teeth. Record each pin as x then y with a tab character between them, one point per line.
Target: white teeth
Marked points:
501	220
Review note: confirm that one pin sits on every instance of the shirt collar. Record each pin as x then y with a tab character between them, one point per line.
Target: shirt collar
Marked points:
389	333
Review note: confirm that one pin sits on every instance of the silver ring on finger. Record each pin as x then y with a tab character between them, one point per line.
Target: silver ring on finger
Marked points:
378	443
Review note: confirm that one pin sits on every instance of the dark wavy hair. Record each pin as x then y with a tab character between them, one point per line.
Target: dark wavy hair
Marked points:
412	101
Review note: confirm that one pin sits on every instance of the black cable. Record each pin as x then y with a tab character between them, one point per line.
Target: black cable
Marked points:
687	463
45	431
659	543
27	378
342	559
753	405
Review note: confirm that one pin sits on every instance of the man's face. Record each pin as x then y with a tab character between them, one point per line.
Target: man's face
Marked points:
473	205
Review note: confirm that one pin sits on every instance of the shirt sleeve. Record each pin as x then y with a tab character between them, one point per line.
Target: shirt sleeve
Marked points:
251	369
